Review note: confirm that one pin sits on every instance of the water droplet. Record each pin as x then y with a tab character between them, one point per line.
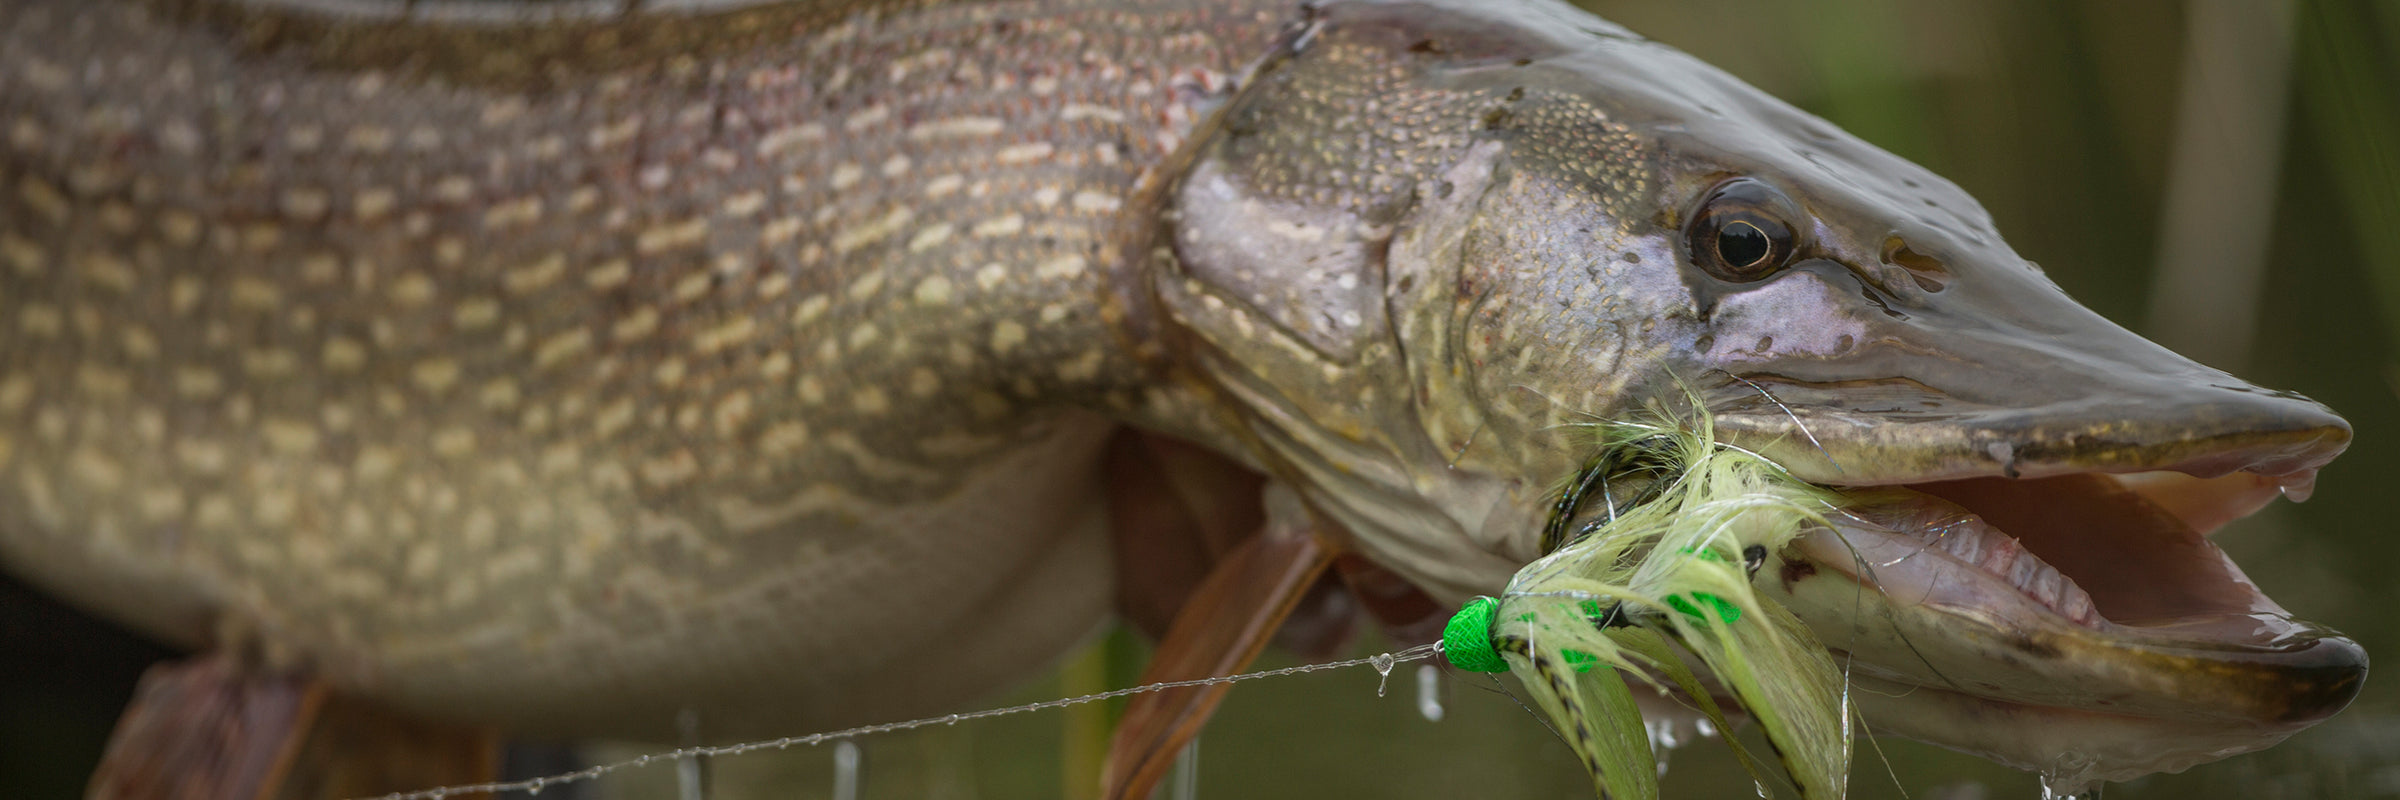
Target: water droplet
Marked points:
2298	486
1704	728
846	758
1429	693
1665	736
1184	782
949	720
2055	787
1382	662
536	786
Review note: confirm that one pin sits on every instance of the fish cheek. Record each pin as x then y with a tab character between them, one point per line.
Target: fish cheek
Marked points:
1312	272
1799	315
1566	296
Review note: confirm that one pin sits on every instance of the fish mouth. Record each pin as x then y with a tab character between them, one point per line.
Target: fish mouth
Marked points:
2073	622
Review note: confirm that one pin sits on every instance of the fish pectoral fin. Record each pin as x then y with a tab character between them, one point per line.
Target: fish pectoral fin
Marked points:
203	729
213	728
1235	611
1175	511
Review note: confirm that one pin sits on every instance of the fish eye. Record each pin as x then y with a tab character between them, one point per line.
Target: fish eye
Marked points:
1742	245
1742	232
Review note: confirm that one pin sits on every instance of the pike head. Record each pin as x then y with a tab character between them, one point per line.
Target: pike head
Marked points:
1426	243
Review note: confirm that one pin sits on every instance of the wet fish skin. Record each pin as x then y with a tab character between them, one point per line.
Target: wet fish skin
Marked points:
490	368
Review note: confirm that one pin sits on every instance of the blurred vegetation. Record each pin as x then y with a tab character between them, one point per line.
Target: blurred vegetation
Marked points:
2061	117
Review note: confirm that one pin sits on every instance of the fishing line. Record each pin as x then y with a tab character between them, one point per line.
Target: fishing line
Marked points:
1876	742
1787	411
1501	689
1850	653
1382	662
1858	601
1664	577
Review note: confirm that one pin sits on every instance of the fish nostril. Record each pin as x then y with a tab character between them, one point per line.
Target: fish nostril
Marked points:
1929	273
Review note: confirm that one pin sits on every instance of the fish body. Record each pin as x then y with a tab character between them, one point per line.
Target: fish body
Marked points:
754	361
495	366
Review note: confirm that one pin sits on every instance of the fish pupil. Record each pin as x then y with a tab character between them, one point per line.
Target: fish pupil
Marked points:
1742	245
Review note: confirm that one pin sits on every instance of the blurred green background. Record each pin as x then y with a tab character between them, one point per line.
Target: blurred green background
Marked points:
2222	175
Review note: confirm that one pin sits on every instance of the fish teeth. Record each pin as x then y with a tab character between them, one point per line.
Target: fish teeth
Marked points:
1964	541
1968	539
2047	583
2076	604
1972	541
2000	559
2029	574
2026	572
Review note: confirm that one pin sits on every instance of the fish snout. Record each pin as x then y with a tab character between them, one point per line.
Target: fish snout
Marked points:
1935	399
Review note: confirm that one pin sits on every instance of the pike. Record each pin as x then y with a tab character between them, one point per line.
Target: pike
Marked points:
568	367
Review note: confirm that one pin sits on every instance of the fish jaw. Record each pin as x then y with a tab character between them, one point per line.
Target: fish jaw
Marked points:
2021	570
2066	626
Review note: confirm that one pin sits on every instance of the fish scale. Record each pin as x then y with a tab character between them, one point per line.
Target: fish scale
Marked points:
606	363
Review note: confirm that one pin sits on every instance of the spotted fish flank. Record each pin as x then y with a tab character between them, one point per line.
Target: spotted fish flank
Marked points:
488	294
